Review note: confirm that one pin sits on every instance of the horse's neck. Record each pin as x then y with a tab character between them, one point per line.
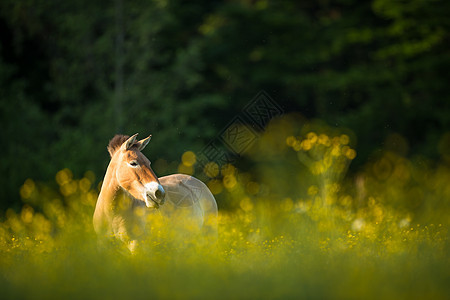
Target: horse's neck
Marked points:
115	200
110	189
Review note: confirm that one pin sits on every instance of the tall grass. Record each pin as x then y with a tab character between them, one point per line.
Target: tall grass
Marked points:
296	228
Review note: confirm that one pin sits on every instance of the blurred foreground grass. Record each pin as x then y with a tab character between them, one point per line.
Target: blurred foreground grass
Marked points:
297	229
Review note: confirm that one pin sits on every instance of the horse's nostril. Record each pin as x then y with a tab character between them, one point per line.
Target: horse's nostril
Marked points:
159	194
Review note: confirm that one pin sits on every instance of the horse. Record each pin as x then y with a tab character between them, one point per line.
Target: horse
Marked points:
131	192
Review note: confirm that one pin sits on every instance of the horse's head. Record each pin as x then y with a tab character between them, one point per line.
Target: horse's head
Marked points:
133	171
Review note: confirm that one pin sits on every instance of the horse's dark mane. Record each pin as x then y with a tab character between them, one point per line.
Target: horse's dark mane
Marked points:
116	142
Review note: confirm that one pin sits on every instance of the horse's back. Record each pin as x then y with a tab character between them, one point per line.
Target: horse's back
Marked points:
191	198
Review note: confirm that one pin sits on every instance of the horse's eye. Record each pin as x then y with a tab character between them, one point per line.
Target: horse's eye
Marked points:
134	163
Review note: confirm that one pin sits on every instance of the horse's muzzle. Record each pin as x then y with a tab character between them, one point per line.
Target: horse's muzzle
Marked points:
160	195
154	194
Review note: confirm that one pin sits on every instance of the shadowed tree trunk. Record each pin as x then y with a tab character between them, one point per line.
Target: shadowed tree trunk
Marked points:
118	98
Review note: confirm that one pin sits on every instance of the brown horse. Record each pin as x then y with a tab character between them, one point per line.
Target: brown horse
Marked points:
131	190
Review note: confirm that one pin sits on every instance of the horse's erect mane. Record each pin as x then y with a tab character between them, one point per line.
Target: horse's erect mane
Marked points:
116	142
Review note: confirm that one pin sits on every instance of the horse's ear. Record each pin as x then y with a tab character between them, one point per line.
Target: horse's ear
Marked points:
128	143
142	143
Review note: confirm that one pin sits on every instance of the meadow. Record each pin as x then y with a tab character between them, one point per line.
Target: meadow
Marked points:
296	226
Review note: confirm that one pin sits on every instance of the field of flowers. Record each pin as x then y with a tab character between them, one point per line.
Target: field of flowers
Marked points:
298	226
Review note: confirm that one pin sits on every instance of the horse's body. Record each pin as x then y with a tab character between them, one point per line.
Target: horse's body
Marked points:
131	192
190	197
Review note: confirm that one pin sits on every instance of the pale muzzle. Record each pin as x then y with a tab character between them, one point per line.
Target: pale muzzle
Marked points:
154	194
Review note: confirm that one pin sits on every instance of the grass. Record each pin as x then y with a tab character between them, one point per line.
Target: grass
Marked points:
304	262
326	237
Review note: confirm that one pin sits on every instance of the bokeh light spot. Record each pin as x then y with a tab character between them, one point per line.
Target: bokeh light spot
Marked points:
344	139
211	169
85	185
313	190
215	186
184	169
228	169
246	204
64	176
351	154
229	181
27	188
188	158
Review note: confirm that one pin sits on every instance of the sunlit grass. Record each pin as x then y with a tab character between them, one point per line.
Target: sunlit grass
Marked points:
383	235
